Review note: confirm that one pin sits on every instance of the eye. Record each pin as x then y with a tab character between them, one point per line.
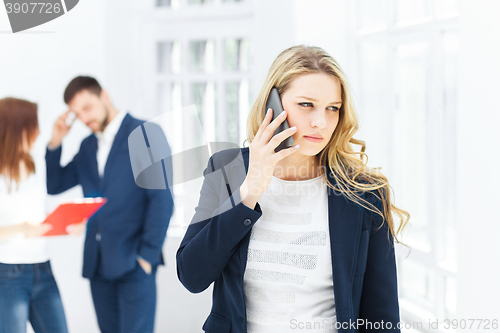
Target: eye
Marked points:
308	104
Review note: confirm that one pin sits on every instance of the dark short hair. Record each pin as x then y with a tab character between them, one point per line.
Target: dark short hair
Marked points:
80	83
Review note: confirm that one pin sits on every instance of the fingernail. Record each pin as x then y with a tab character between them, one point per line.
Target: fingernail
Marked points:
296	146
268	110
294	128
283	113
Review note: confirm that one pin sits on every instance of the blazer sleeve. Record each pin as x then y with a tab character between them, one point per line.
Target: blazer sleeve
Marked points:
214	233
379	297
60	179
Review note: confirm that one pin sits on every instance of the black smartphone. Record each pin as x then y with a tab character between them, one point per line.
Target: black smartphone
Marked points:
274	102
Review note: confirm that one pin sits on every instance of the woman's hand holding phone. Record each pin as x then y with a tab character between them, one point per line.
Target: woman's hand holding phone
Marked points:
263	158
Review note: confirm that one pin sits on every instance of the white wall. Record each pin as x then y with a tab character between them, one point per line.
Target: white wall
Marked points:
324	23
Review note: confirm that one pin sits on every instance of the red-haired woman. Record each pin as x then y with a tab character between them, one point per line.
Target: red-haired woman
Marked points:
28	291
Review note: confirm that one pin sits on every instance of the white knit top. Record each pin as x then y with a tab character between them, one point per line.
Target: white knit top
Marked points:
288	281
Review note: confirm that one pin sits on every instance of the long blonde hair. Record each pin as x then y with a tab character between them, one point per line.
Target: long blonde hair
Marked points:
350	171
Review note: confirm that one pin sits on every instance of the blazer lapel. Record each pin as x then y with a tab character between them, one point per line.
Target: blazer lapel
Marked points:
345	222
238	174
118	142
92	161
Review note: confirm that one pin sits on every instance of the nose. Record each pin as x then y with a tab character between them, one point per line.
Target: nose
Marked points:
318	119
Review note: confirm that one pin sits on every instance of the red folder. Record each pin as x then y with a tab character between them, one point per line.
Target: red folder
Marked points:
72	213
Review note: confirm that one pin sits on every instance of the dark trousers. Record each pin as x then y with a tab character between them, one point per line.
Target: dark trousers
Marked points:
28	292
126	304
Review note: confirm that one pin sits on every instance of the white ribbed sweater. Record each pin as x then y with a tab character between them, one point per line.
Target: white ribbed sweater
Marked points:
288	281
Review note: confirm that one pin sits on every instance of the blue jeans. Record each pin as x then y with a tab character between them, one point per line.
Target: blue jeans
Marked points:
29	292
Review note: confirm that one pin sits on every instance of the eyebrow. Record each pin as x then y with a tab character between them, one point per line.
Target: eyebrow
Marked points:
315	100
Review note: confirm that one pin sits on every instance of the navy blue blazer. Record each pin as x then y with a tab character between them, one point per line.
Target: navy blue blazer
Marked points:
214	249
134	220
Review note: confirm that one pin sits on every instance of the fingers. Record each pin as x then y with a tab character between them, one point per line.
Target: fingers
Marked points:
62	118
268	132
280	137
265	122
146	266
66	119
44	228
70	228
286	152
61	121
75	229
70	118
32	230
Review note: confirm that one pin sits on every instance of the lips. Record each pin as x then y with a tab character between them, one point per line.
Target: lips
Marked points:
319	137
314	138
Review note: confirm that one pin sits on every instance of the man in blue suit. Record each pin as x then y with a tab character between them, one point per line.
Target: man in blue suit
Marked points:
124	238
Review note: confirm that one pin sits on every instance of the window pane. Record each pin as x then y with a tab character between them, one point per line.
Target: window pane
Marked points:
450	297
202	56
197	94
371	13
163	3
244	105
236	54
232	118
374	96
410	138
163	97
169	57
450	48
417	282
408	11
169	97
203	96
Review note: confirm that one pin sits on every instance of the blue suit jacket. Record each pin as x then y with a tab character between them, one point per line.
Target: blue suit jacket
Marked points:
134	220
214	249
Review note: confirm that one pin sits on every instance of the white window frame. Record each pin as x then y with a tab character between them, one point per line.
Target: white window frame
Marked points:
441	155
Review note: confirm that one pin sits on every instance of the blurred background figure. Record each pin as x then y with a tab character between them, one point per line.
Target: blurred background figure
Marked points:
28	290
124	239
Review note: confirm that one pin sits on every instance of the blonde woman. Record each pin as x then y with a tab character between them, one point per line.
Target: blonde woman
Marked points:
304	238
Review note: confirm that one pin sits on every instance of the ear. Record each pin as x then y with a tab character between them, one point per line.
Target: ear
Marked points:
105	97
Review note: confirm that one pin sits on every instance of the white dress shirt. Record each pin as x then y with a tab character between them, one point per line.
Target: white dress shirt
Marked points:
105	140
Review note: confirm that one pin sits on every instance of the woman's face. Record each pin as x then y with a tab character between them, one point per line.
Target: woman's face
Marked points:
313	102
